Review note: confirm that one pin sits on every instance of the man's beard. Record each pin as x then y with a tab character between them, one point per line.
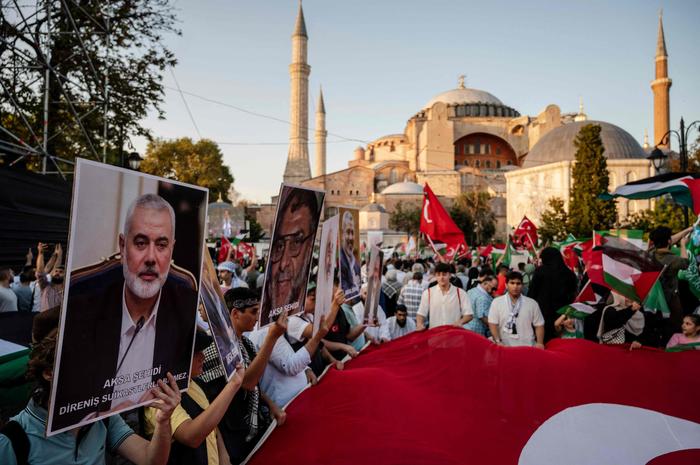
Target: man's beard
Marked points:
401	323
57	280
143	289
295	291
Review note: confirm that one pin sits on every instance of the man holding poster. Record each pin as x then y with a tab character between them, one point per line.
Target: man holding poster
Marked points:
350	278
129	320
289	263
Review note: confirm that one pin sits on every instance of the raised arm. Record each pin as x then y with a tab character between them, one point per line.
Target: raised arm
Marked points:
257	367
156	451
194	431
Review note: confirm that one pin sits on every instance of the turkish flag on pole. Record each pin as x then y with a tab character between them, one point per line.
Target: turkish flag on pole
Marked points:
526	233
449	396
438	226
223	250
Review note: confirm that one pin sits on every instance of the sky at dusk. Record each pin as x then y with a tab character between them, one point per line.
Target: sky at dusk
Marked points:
380	62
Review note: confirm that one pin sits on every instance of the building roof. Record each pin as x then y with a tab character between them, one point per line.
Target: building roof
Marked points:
404	188
463	95
300	25
373	207
558	144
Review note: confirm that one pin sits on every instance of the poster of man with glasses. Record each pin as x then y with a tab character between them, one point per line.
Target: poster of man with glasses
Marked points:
289	259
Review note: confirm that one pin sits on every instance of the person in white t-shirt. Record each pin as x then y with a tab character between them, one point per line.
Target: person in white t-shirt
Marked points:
514	319
444	304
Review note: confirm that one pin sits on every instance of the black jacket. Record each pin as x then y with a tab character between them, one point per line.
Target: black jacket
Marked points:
92	336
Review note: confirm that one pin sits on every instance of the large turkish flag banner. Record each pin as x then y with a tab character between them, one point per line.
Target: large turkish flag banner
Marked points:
448	396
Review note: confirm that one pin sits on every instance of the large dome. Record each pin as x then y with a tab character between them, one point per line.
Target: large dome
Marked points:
464	95
558	144
404	188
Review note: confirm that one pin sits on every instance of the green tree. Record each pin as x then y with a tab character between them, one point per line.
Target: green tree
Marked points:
590	177
472	213
665	213
553	221
120	42
405	218
255	230
199	163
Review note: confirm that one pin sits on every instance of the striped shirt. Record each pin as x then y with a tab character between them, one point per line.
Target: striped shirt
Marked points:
410	296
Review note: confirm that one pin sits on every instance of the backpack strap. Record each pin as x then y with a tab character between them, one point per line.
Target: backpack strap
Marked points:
19	440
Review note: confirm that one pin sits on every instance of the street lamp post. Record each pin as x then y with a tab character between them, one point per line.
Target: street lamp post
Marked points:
682	135
134	161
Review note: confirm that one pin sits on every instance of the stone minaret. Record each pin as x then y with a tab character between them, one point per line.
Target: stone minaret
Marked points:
320	136
297	168
661	86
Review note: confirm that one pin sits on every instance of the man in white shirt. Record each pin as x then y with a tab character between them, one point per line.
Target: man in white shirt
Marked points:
443	304
8	299
397	326
514	319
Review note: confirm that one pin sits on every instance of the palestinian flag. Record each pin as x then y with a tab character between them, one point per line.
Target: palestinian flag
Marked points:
577	310
592	293
628	270
237	240
656	186
633	236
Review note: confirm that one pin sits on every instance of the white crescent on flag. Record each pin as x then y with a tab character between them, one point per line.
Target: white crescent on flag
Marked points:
608	434
425	211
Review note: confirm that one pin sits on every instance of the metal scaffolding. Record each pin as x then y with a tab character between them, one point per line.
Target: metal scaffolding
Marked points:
28	67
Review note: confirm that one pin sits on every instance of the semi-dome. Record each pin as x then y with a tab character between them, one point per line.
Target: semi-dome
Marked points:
404	188
463	95
558	144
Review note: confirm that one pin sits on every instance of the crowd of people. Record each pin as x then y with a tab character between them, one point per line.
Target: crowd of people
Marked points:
220	421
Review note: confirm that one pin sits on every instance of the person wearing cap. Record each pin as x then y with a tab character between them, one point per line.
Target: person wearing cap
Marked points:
251	411
194	422
228	274
444	304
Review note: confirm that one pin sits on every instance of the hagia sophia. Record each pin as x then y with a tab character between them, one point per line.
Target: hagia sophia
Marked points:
462	140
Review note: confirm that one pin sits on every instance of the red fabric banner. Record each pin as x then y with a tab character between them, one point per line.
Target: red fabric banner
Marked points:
437	224
449	396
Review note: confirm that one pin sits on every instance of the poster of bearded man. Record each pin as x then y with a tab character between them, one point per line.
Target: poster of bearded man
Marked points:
132	279
291	250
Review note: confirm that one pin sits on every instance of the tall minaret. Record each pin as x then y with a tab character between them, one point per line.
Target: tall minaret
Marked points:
320	136
661	86
297	168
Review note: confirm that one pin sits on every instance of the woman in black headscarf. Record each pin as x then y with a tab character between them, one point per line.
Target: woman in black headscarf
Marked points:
553	285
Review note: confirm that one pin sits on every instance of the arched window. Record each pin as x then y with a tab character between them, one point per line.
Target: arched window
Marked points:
477	163
488	163
498	164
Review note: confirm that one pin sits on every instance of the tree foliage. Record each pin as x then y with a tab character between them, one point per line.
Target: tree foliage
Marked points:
590	178
199	163
120	42
665	213
472	213
255	230
553	221
405	218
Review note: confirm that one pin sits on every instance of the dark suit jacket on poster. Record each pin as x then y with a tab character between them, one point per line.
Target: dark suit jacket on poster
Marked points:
92	336
346	275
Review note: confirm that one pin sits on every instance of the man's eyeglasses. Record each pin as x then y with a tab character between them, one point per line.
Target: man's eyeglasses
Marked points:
293	243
